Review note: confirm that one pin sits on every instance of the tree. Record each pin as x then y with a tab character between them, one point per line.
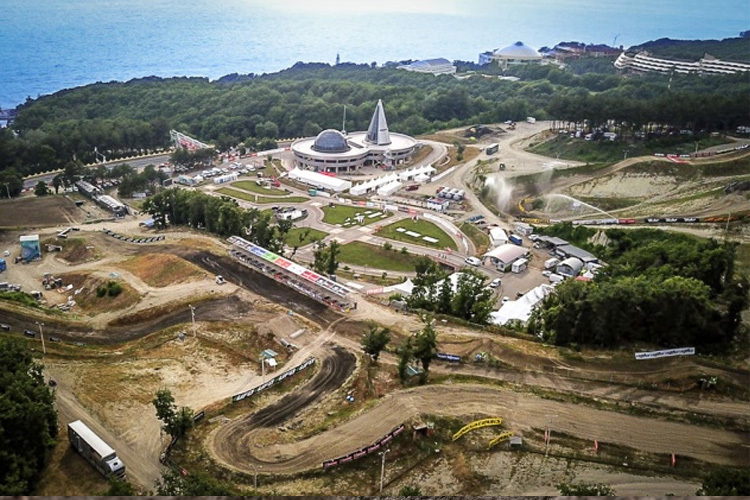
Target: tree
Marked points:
41	189
57	182
176	423
173	483
425	348
375	341
404	353
332	262
585	489
410	491
320	257
27	418
726	481
11	183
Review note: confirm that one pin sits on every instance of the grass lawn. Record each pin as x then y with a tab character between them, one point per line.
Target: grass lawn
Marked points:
376	257
242	195
338	214
255	188
295	237
480	239
424	228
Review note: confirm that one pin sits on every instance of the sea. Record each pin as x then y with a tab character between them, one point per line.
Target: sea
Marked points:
49	45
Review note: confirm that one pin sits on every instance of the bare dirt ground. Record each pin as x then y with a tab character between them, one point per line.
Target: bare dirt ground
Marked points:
32	212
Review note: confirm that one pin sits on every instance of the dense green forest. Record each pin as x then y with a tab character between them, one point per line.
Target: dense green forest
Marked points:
123	118
659	287
731	49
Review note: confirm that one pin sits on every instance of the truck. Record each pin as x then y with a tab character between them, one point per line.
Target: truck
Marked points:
95	450
3	265
515	239
550	263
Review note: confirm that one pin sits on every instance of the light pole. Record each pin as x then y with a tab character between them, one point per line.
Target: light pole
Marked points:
192	317
382	468
41	334
7	189
263	368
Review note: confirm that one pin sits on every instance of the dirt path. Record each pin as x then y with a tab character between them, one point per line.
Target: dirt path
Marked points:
520	412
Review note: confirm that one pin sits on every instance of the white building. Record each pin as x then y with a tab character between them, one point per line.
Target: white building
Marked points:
518	53
521	309
707	65
414	173
320	181
498	236
334	151
432	66
438	204
569	267
505	255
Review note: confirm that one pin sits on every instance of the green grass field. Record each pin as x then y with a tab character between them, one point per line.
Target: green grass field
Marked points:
424	228
376	257
480	239
338	214
261	200
301	236
253	187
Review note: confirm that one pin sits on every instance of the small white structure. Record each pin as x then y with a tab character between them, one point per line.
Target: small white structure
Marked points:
320	181
519	266
223	179
569	267
438	66
522	228
390	188
414	173
438	204
522	308
498	236
505	255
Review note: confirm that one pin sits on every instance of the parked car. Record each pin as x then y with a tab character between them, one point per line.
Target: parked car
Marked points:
29	333
55	339
506	299
495	283
4	327
473	261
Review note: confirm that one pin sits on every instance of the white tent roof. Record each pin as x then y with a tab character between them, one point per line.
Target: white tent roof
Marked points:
498	234
320	180
520	309
406	287
507	252
389	188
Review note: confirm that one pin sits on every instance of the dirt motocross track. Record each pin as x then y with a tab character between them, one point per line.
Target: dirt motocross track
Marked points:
234	441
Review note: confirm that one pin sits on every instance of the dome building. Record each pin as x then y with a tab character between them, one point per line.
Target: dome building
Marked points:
334	152
518	53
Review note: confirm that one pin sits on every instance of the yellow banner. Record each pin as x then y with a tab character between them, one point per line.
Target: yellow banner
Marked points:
477	424
500	438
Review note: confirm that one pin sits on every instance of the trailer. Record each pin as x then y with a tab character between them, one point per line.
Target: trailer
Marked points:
515	239
492	149
95	450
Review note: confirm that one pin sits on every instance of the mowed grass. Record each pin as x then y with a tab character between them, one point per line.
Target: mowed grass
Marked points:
301	236
480	239
376	257
253	187
258	199
338	214
424	228
160	270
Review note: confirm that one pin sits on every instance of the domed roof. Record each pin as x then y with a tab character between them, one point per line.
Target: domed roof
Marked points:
331	141
518	50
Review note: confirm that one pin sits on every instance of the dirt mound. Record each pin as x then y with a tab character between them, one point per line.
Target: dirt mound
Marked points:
97	294
160	270
74	250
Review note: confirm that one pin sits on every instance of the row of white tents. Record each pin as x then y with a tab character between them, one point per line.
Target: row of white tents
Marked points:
389	183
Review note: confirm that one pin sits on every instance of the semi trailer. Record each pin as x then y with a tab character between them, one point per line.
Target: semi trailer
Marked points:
95	450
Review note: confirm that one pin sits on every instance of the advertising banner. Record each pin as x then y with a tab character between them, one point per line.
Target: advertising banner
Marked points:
448	357
681	351
366	450
478	424
255	390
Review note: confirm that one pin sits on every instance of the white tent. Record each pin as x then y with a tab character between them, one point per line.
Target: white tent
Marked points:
405	288
389	188
320	180
498	236
520	309
412	173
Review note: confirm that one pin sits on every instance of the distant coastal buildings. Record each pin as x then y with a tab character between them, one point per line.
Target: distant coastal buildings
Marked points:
518	53
438	66
644	62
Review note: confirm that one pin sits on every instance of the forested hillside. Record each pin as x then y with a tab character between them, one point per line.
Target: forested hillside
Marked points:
731	49
125	117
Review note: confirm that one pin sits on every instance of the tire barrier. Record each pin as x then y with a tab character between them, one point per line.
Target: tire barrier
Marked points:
128	239
366	450
278	378
478	424
502	437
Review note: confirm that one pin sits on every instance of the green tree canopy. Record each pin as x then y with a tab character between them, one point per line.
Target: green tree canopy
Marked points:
28	420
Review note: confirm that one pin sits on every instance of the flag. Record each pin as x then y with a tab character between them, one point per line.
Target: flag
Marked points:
596	446
546	436
674	460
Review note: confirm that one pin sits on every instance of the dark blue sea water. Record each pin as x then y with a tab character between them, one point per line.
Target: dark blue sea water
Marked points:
48	45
